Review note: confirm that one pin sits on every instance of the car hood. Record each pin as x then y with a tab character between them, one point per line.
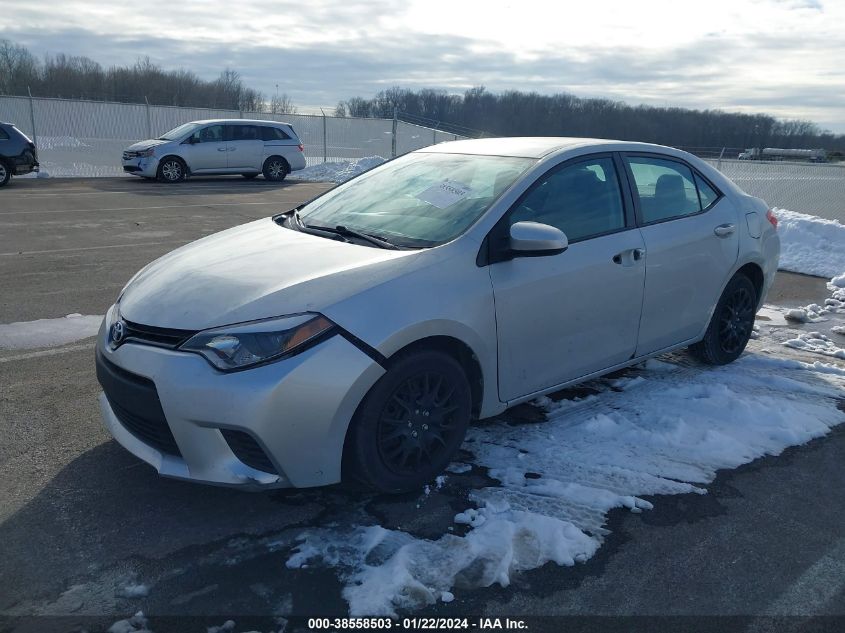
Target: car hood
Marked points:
254	271
142	145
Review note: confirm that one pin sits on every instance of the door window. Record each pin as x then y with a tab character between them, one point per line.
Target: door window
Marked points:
210	134
582	200
244	133
667	189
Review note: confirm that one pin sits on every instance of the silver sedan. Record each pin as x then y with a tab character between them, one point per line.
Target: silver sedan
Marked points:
358	336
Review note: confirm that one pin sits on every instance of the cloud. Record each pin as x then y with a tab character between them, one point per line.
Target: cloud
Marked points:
327	50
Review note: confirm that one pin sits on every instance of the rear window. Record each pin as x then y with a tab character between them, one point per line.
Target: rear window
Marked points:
4	135
274	134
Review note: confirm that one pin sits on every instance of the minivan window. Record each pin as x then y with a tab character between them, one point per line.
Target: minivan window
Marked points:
418	200
178	132
210	134
273	134
666	188
244	133
582	200
4	135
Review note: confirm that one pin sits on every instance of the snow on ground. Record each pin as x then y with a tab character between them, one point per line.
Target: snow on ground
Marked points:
811	245
817	343
339	171
665	430
48	332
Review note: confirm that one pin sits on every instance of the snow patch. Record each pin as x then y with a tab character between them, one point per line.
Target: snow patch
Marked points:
811	245
48	332
135	591
668	435
338	172
817	343
136	624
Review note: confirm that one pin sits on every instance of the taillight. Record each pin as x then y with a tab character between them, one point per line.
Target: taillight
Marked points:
772	218
301	147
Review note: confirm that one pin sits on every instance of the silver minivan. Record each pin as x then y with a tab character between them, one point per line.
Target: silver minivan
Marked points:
218	146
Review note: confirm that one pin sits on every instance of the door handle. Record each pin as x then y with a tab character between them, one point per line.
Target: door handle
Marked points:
723	230
222	149
629	256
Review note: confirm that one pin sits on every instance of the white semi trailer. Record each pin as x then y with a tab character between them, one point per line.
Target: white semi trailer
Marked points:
776	153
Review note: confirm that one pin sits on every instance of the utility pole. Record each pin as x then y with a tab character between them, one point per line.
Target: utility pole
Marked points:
32	117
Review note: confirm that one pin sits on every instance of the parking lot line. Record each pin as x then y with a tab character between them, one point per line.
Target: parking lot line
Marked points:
170	190
168	206
46	352
92	248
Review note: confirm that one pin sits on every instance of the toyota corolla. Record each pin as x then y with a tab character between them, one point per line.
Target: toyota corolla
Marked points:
357	336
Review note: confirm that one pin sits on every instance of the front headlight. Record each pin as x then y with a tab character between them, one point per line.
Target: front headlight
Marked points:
146	153
236	347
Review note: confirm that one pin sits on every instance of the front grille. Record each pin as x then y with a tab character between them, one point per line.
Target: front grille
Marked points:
134	400
129	155
247	450
158	336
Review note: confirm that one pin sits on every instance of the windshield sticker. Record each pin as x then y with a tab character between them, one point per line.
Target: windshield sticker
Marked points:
444	194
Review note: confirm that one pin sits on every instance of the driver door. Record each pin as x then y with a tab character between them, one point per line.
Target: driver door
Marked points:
560	317
206	150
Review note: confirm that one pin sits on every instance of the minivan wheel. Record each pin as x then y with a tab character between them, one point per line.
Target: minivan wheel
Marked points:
731	324
410	424
172	170
275	168
5	174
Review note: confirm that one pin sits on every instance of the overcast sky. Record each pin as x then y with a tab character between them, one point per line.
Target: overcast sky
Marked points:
784	57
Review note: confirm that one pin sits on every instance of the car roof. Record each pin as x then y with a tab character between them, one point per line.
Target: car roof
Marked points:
236	121
539	146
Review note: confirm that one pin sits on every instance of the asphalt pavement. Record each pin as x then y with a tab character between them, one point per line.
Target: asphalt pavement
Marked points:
81	518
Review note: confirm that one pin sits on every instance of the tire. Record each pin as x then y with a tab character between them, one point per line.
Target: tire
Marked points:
275	168
5	173
172	169
249	176
410	424
731	324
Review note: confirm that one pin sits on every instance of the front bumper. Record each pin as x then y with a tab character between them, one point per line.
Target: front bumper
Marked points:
147	167
297	410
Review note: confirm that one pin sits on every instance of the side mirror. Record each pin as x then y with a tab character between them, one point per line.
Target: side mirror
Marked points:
533	239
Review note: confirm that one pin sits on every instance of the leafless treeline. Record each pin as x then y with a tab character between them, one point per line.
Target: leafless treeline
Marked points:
515	113
82	78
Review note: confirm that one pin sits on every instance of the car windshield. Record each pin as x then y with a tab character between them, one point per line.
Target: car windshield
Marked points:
179	132
419	200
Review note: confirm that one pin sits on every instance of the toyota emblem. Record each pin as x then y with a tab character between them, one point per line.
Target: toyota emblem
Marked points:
118	331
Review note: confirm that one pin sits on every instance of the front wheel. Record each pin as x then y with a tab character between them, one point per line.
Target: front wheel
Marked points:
172	170
731	324
410	424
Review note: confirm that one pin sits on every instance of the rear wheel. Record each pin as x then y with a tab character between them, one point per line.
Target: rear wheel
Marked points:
410	424
5	173
172	169
276	168
731	324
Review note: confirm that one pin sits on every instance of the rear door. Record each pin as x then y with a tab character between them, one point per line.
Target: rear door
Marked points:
563	316
205	150
691	241
246	147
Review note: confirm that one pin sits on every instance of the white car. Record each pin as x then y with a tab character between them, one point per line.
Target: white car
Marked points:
358	335
219	146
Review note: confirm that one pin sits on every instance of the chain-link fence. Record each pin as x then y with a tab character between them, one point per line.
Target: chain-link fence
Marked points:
814	188
86	138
